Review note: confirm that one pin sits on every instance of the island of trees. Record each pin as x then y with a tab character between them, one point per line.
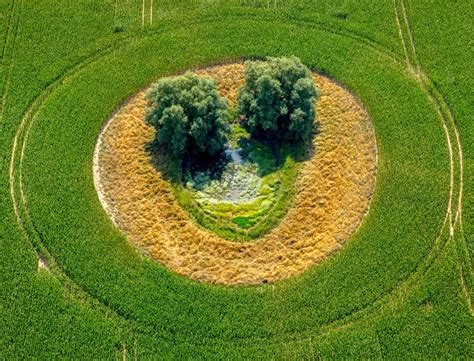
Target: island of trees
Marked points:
276	105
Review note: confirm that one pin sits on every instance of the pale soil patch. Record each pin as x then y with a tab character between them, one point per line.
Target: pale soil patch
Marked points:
334	189
43	264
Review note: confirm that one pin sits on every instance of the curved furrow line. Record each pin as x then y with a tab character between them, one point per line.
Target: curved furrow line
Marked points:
444	111
20	206
29	116
448	115
414	69
25	205
448	118
19	200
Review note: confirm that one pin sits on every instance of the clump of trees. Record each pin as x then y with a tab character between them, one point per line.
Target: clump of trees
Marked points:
276	104
189	115
277	101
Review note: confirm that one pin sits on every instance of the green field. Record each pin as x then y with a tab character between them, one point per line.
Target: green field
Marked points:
400	288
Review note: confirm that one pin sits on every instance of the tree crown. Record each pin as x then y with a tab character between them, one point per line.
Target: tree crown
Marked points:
189	115
278	99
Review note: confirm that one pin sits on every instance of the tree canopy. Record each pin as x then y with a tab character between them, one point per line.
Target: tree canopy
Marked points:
278	100
189	115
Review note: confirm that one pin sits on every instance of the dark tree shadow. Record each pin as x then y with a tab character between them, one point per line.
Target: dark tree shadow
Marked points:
303	151
174	171
205	168
277	152
268	157
162	161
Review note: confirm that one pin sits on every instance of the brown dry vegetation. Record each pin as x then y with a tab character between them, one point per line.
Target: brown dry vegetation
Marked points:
334	189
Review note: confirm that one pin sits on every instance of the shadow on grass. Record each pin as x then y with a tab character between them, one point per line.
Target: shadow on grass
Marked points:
173	170
267	157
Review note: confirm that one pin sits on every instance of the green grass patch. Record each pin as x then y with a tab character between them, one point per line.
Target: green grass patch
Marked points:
240	219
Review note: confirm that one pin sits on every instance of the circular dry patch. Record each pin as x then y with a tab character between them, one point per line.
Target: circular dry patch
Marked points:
333	187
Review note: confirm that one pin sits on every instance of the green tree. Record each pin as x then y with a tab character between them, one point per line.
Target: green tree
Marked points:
277	101
189	115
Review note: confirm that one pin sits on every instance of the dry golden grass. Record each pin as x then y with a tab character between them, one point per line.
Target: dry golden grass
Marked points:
334	189
229	79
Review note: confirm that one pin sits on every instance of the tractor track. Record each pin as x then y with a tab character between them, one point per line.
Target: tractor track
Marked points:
452	137
89	297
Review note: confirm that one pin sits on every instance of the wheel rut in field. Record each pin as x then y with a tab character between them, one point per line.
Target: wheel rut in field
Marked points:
452	139
367	308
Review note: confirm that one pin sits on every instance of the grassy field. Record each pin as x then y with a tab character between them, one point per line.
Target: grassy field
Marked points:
402	287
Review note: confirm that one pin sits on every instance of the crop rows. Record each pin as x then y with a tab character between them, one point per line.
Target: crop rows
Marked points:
68	182
408	264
